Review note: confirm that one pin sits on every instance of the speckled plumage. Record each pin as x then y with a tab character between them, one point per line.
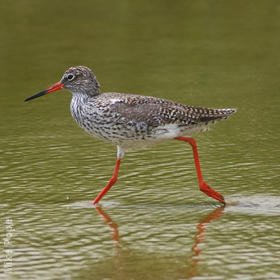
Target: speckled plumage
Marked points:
129	120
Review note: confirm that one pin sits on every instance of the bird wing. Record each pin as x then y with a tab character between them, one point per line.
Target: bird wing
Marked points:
158	111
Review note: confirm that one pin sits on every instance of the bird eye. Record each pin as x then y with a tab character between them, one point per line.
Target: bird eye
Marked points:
70	77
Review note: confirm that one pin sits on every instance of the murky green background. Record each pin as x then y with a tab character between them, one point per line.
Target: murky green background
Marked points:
155	223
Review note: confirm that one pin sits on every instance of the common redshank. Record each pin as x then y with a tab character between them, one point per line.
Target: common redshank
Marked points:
130	121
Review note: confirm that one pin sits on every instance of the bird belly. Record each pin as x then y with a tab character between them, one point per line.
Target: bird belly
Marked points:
133	134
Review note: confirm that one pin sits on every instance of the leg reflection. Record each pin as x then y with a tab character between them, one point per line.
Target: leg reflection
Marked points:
111	224
120	263
199	239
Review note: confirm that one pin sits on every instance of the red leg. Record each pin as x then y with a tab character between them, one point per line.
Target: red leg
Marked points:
202	185
111	182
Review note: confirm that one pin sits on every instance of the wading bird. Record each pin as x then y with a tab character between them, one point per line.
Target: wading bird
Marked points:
130	121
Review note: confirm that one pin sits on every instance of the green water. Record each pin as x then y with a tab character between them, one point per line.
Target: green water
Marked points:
155	223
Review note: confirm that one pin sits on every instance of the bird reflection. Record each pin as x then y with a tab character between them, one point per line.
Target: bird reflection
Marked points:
199	238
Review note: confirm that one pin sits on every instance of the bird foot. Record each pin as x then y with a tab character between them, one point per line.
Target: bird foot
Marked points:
211	192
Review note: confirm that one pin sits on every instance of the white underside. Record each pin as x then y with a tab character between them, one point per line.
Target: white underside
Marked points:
170	131
162	133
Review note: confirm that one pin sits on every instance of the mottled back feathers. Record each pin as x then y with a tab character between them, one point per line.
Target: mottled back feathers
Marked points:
158	111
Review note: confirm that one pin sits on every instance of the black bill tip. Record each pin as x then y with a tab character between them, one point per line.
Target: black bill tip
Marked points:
43	92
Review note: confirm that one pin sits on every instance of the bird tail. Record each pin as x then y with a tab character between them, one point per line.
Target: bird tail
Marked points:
213	115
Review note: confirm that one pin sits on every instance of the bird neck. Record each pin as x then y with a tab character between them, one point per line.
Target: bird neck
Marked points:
80	98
